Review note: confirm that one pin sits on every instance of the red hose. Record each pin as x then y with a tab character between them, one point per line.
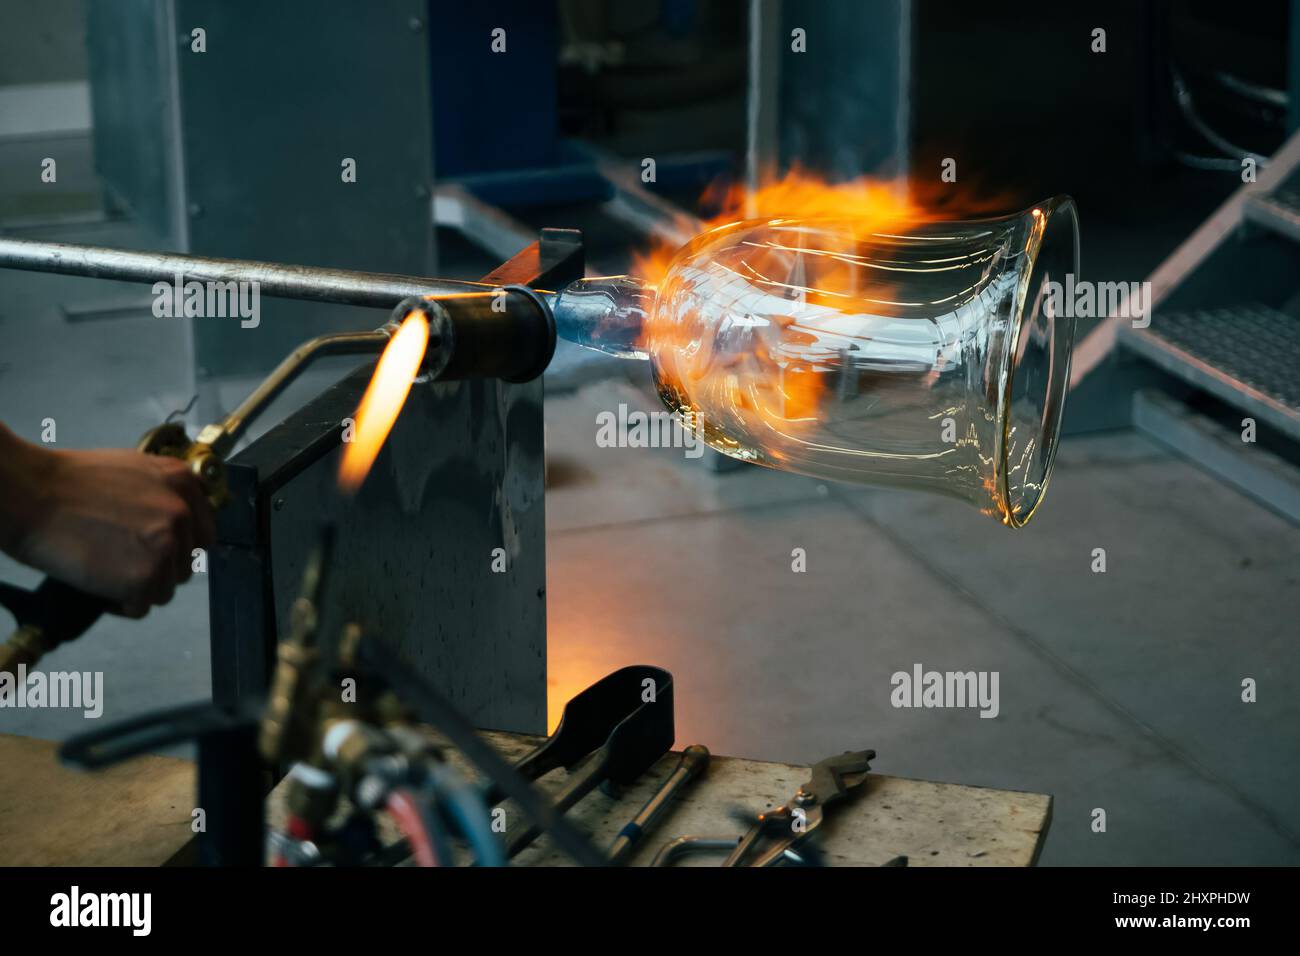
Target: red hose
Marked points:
405	811
295	828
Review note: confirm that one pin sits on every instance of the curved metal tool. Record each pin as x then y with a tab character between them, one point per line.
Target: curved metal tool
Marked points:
231	784
671	851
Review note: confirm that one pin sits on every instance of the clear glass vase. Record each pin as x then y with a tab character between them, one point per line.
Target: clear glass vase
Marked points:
928	357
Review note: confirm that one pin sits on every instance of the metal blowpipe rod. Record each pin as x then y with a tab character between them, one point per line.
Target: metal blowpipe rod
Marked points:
606	313
376	289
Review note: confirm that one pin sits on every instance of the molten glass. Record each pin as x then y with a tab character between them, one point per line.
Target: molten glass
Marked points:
925	356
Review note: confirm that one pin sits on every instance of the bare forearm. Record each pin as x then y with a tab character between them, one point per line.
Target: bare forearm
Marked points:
114	522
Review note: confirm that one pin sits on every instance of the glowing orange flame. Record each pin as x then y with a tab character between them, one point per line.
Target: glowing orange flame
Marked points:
873	204
822	254
771	388
383	400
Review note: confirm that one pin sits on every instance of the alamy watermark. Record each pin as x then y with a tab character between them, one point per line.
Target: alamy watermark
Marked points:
209	299
946	689
637	429
1100	300
133	911
57	690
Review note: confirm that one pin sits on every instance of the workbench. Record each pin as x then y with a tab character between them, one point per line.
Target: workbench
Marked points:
139	813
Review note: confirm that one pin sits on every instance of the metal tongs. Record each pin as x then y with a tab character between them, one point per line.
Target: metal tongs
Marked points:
613	731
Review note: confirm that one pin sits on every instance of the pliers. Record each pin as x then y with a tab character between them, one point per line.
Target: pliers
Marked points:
777	834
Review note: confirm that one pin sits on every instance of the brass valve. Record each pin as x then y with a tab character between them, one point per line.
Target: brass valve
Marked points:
171	440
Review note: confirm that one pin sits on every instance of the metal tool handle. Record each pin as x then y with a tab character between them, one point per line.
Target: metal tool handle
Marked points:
584	780
106	746
51	615
691	764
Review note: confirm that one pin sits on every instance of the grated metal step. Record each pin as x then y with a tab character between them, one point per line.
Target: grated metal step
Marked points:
1247	356
1268	479
1278	211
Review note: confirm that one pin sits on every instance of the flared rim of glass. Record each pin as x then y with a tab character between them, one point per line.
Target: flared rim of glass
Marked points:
1055	213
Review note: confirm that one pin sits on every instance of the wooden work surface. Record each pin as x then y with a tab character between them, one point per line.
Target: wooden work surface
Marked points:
134	814
138	813
932	824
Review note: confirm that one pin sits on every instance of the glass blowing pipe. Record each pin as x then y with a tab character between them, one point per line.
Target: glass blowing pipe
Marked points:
932	356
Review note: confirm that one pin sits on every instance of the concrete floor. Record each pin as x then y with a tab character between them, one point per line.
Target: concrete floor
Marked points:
1118	690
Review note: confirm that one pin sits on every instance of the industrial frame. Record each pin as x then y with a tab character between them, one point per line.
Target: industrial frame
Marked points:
242	590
